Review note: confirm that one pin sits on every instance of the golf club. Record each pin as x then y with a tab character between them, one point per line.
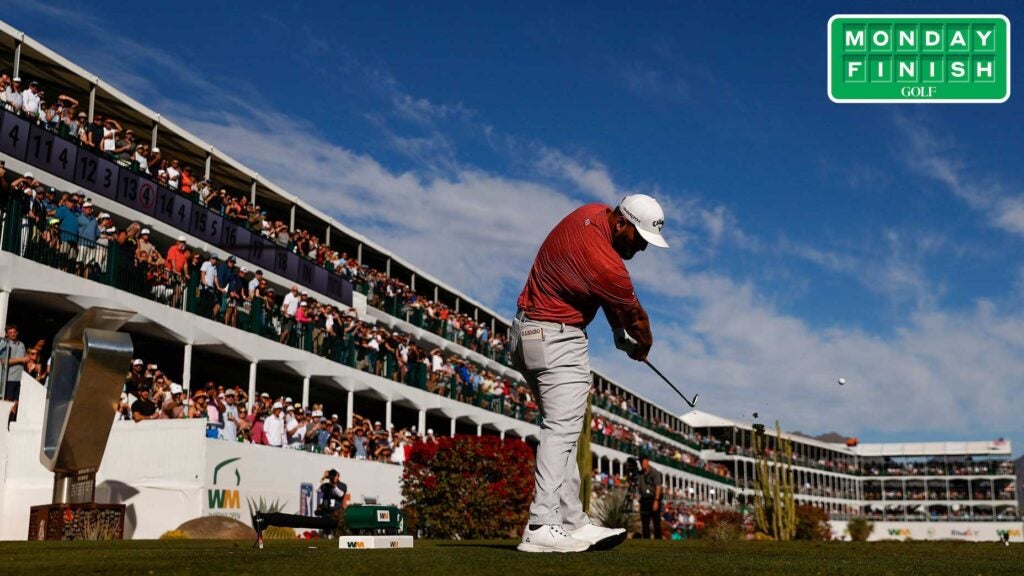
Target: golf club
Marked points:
690	403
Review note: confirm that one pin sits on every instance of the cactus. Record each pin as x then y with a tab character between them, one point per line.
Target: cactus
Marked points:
775	507
584	461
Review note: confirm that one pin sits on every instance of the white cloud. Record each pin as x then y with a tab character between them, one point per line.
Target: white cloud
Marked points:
934	158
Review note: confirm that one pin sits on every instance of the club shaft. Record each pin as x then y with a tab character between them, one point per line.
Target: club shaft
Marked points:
671	385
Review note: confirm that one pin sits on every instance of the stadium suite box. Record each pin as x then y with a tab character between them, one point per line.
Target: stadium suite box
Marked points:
33	144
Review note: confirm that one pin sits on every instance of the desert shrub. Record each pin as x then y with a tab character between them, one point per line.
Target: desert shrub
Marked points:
611	510
812	523
468	487
174	535
720	525
860	529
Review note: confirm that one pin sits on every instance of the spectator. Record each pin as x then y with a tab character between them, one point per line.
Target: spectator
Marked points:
187	181
237	296
177	259
273	426
108	141
146	251
36	367
31	100
198	407
231	416
96	131
14	357
173	175
289	307
173	406
144	408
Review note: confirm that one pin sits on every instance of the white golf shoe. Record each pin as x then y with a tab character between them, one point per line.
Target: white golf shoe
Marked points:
600	538
550	538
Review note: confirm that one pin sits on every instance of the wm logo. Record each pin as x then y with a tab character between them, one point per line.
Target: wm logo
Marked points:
224	498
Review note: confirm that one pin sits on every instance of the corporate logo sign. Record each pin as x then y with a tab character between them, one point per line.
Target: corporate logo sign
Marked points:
918	59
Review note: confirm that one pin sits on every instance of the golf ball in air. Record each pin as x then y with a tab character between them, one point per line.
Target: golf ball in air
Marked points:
842	381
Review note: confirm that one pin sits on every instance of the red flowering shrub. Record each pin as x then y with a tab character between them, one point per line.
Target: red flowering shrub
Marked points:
468	487
720	525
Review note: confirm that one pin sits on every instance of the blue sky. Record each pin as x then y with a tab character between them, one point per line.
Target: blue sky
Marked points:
810	240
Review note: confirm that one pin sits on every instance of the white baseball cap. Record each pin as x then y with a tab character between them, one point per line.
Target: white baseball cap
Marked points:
646	214
276	406
176	389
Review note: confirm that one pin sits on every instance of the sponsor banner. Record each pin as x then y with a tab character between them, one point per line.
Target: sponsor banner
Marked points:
236	239
54	155
373	542
971	531
96	173
14	136
206	225
243	478
173	209
135	192
286	263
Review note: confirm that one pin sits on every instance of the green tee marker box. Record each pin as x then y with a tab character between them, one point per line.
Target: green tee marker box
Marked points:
918	59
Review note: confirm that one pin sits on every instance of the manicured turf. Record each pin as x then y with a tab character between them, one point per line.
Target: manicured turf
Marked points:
500	557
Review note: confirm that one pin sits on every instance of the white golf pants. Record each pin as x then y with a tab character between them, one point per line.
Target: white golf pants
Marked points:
555	361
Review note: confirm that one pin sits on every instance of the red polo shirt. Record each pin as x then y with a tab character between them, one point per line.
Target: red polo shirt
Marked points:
577	271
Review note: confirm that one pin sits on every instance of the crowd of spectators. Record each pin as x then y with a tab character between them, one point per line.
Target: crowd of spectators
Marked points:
934	467
64	231
606	432
106	135
149	394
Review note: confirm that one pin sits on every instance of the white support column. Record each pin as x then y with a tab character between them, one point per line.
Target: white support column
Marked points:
359	253
412	282
291	218
502	435
421	425
17	59
92	102
479	429
305	392
387	415
458	302
387	267
327	235
252	193
209	165
5	300
436	292
154	133
348	409
252	383
186	371
452	433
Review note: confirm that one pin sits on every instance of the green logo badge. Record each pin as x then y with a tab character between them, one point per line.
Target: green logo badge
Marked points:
918	59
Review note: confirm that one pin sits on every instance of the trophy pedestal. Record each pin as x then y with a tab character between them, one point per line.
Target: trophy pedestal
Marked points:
88	521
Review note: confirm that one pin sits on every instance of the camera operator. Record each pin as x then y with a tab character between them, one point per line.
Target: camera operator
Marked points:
334	494
650	498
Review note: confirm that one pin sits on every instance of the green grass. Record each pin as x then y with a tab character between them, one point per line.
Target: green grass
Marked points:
500	557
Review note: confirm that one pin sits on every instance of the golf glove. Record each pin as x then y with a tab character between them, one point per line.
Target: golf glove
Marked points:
624	342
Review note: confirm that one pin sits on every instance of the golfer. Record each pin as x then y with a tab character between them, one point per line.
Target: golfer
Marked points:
578	269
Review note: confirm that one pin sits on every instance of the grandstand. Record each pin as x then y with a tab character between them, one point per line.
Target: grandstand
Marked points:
333	326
